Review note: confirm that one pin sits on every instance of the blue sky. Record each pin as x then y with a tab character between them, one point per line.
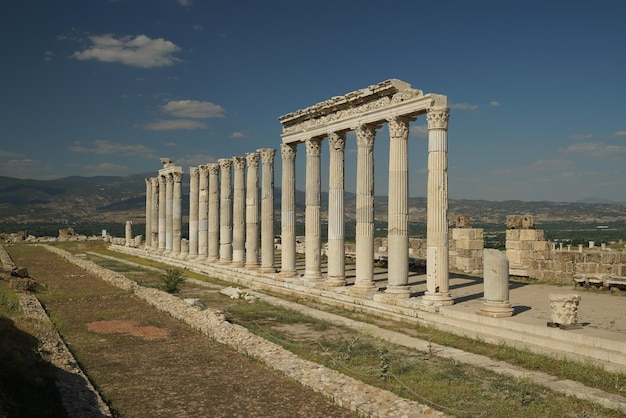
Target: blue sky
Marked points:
537	89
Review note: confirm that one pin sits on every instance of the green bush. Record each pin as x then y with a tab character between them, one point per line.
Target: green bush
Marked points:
172	281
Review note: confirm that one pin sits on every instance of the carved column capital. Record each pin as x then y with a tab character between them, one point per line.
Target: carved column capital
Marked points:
194	171
337	141
239	162
288	151
213	168
163	178
169	177
177	176
365	135
313	146
204	170
398	127
252	158
225	163
155	181
438	117
267	155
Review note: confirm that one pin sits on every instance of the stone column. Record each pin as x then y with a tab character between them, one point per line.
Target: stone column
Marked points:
177	211
193	210
252	211
336	241
154	216
267	210
364	281
169	207
398	219
437	272
203	210
128	233
313	242
162	212
214	213
226	211
496	282
288	211
148	213
239	211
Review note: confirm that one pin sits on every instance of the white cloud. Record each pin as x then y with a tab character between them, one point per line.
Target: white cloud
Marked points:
580	136
194	160
9	154
197	28
595	149
140	51
102	146
495	103
171	125
186	3
193	109
619	133
48	55
419	130
463	106
238	135
104	167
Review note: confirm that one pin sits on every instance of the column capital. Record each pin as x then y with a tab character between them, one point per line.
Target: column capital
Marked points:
239	162
437	117
155	181
203	169
267	155
213	168
163	178
225	163
148	182
169	177
177	176
398	127
194	171
313	146
365	135
337	141
288	151
252	158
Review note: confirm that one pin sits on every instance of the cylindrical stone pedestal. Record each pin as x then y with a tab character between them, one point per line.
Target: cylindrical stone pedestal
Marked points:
564	311
496	275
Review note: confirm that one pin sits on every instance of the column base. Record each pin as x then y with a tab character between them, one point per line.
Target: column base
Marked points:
432	299
288	274
237	264
335	281
267	269
361	289
251	266
211	260
313	279
495	309
398	291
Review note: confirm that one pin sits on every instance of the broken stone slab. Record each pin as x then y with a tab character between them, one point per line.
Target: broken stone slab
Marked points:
20	272
237	293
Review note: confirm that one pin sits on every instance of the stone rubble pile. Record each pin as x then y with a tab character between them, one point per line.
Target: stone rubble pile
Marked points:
344	391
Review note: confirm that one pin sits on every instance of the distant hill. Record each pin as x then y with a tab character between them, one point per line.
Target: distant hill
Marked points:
117	199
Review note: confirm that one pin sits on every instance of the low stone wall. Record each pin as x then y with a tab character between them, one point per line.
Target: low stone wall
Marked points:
343	390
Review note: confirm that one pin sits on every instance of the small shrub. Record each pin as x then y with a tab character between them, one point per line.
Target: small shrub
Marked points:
172	281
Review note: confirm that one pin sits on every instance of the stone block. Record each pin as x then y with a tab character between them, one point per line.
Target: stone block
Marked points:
513	245
512	234
515	257
593	257
608	257
531	235
473	244
463	221
541	246
526	245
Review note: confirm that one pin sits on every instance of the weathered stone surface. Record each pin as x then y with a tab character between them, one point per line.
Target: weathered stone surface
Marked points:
564	308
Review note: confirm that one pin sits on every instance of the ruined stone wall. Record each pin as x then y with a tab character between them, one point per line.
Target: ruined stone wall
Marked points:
564	265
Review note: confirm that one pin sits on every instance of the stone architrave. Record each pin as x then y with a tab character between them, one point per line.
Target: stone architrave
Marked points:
148	230
252	211
214	213
496	282
154	216
226	211
313	243
203	210
398	206
267	210
193	210
288	211
364	281
239	211
437	271
177	211
336	275
169	212
162	212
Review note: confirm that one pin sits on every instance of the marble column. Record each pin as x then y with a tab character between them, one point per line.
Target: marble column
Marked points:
154	216
239	211
128	233
203	210
169	207
252	211
148	233
437	273
226	211
336	240
313	222
194	194
398	207
267	210
213	240
364	281
177	211
288	211
162	212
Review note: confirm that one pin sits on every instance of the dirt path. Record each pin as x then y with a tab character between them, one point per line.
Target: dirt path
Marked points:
146	363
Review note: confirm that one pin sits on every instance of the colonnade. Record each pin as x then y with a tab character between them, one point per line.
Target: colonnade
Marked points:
224	208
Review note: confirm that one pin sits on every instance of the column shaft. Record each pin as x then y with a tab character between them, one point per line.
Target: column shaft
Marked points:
154	215
288	210
148	233
193	210
177	212
398	218
169	207
203	210
162	212
239	212
313	272
214	213
226	211
267	210
336	240
364	281
252	211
